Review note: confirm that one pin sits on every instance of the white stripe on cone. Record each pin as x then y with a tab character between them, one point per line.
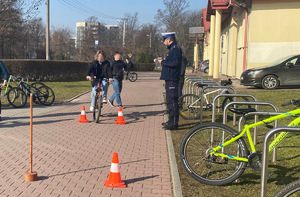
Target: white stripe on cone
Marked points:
82	112
120	113
114	168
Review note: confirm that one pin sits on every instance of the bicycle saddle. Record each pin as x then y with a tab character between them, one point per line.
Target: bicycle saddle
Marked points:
201	85
242	111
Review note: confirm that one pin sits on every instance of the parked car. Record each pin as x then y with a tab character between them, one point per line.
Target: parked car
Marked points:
204	66
283	72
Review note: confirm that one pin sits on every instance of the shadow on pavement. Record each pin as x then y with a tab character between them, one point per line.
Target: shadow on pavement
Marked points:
129	181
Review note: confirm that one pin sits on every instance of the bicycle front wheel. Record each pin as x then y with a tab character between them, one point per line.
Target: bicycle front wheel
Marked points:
97	108
205	167
45	95
17	97
189	106
133	77
290	190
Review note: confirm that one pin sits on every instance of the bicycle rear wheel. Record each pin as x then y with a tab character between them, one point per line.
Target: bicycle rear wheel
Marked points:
189	106
17	97
133	77
45	95
290	190
197	160
4	100
97	107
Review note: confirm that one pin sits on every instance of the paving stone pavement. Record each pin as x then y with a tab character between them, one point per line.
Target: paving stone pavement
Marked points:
74	159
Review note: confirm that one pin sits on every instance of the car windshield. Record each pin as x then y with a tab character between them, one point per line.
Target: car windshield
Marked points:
279	61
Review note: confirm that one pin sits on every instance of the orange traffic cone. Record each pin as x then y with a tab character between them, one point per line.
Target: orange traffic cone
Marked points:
120	119
83	116
114	179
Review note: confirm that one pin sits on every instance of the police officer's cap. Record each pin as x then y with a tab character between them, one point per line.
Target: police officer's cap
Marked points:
168	35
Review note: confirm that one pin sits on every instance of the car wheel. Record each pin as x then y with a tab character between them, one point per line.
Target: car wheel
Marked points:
270	82
206	70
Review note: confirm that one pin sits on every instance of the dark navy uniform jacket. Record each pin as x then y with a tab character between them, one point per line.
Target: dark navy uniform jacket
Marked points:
4	71
171	65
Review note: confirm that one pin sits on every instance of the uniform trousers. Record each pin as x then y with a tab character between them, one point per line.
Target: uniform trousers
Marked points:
172	102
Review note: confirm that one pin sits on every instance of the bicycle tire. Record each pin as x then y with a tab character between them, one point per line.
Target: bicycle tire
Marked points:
228	100
17	97
45	95
196	159
189	106
290	190
133	77
97	108
4	100
37	84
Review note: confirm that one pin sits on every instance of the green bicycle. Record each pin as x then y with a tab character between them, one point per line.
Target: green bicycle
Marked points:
4	91
216	154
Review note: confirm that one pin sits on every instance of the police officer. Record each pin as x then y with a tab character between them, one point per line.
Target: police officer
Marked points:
171	67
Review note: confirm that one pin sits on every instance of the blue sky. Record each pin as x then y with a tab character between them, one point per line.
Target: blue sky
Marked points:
65	13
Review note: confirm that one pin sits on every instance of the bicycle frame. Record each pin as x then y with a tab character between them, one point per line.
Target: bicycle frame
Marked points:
247	128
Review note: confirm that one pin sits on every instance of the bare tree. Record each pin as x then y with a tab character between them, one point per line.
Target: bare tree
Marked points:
62	48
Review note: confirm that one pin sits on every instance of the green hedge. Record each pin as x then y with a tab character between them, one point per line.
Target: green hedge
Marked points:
55	69
47	69
144	66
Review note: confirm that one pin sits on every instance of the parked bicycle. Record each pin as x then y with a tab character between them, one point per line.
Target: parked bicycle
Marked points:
216	154
4	91
17	96
292	189
190	104
98	104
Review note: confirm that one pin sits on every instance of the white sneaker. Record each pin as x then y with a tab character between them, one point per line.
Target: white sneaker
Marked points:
104	101
91	108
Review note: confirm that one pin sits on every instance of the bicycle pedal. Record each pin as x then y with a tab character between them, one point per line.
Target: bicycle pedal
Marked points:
270	174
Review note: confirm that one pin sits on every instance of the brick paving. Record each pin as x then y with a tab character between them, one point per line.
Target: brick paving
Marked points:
73	159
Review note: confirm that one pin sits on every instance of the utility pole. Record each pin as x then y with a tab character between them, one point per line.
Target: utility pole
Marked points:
48	32
124	31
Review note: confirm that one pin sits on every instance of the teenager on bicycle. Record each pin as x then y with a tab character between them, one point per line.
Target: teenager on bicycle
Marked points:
6	76
100	68
118	67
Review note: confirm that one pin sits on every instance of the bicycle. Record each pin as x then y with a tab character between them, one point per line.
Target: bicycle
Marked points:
216	154
98	104
190	104
17	96
292	189
132	76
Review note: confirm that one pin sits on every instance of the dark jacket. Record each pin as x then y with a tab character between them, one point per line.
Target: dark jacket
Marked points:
171	65
183	67
95	69
4	71
117	69
106	69
130	66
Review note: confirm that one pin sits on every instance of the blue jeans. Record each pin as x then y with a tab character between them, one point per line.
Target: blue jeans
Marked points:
104	88
117	85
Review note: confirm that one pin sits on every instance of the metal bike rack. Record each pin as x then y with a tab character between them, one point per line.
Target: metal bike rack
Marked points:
248	103
263	183
228	95
211	87
275	125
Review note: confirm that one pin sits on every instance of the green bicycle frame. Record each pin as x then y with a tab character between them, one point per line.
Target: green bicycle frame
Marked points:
247	128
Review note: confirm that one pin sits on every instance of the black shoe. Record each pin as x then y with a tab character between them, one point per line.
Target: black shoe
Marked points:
111	104
164	123
170	127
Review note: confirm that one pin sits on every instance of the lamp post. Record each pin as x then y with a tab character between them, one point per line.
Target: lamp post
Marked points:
150	39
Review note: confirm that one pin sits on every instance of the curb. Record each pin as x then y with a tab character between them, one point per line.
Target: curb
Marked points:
177	192
75	97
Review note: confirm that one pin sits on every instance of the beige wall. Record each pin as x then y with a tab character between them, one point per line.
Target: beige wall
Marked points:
273	31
